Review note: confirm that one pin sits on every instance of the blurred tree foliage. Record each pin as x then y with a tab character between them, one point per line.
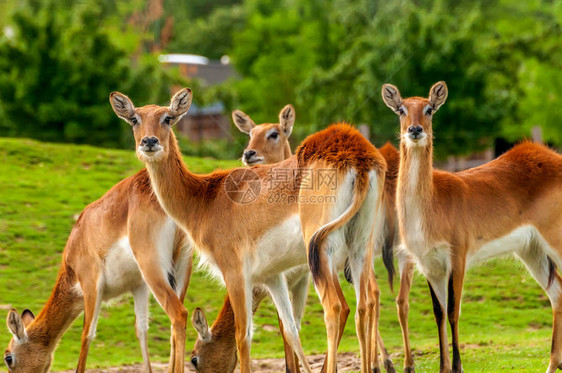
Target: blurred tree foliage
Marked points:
525	67
500	58
58	67
204	27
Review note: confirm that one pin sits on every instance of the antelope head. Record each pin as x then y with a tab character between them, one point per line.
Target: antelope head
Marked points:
151	124
416	113
26	353
214	352
269	142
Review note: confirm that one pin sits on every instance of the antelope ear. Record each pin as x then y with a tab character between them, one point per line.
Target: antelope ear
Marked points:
200	324
16	326
243	121
122	105
180	103
391	97
438	95
287	119
27	317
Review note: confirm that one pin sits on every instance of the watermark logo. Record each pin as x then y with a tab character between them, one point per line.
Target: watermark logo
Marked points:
283	185
281	179
243	186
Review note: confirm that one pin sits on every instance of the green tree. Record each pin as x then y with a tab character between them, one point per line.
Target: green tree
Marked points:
210	36
281	42
330	58
525	61
411	45
57	70
540	102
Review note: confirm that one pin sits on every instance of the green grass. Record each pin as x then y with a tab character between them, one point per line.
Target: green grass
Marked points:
505	322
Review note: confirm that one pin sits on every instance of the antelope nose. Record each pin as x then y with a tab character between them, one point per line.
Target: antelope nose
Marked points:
149	141
415	130
249	153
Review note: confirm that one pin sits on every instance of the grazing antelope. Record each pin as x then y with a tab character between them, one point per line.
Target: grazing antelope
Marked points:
117	237
447	221
253	242
215	348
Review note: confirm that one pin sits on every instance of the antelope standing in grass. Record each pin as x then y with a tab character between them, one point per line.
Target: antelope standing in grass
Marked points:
254	243
447	221
148	222
215	348
117	237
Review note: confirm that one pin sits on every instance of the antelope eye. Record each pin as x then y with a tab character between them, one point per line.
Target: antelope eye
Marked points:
401	111
273	136
429	111
9	359
168	120
194	361
134	120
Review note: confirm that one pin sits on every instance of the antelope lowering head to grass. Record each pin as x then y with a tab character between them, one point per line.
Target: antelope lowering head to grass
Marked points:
123	242
252	243
447	221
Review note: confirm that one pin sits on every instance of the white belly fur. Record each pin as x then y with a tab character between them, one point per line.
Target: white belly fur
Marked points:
278	250
436	262
514	241
121	272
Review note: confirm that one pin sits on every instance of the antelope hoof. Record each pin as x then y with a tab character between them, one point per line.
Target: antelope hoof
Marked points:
389	366
409	370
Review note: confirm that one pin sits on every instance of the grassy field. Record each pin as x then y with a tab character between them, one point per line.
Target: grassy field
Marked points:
505	322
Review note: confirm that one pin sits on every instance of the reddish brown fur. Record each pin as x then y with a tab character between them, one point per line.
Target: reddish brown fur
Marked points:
342	147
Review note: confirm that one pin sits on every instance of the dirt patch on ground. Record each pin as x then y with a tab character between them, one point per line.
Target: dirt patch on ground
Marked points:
347	362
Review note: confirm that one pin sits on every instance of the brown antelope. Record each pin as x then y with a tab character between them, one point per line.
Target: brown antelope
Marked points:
122	232
449	220
215	348
253	242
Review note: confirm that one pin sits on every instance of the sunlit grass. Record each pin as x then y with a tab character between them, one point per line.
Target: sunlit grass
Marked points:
505	322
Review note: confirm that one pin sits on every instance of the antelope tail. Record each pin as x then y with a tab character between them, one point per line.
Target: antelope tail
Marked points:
318	239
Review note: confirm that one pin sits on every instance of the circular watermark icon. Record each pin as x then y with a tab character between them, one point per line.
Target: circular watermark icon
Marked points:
242	186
